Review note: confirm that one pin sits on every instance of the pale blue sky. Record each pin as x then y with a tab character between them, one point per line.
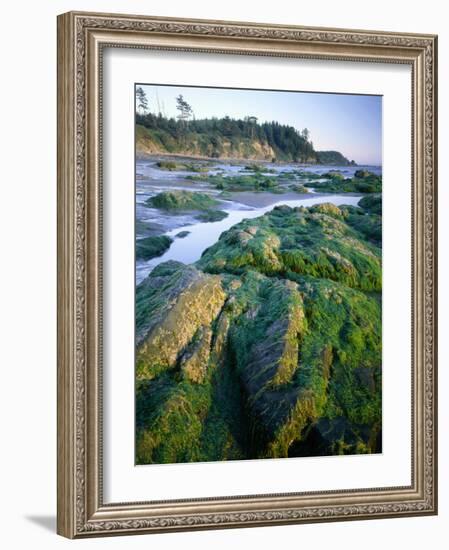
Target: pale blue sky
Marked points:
351	124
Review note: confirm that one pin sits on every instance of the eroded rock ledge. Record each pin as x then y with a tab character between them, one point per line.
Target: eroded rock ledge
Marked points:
270	346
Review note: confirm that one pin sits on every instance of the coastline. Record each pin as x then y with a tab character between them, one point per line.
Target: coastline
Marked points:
146	157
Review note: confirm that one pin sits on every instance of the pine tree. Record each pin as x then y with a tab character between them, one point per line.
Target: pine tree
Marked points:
142	101
305	134
185	110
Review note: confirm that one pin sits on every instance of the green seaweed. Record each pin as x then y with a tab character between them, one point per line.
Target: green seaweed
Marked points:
270	346
173	166
336	183
212	216
315	242
182	200
151	247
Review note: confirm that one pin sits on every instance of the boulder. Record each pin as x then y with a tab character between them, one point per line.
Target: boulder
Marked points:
172	304
269	346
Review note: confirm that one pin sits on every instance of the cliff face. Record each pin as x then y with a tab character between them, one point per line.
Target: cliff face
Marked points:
150	142
195	144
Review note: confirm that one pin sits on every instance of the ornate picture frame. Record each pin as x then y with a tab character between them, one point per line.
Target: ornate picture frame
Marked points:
82	38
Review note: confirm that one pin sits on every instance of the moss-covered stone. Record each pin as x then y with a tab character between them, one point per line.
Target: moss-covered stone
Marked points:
258	181
367	224
334	175
362	182
299	189
212	216
259	168
171	305
194	360
361	174
269	347
298	241
182	234
173	166
169	420
151	247
372	204
182	200
298	350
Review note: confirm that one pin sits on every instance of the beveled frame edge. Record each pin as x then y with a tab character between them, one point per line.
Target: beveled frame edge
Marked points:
81	512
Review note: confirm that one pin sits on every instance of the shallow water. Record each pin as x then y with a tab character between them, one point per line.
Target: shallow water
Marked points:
147	169
244	205
203	235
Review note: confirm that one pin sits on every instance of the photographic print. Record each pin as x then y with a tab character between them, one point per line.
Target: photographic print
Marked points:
258	274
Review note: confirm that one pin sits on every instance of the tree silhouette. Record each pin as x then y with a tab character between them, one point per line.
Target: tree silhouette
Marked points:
305	134
142	101
185	110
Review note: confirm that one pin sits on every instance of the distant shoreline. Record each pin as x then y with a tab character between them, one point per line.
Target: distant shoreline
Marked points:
164	156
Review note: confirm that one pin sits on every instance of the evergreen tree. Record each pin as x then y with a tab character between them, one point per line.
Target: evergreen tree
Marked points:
185	110
305	134
287	142
141	100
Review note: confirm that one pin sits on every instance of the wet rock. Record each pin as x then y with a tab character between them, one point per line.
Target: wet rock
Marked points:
211	216
291	242
194	361
327	208
182	200
269	346
171	305
182	234
152	247
361	174
372	204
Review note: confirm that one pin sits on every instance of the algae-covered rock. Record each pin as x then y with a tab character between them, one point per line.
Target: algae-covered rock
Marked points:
327	208
212	216
292	242
266	341
194	361
182	200
153	246
299	189
269	346
266	337
337	436
299	350
192	410
173	166
367	219
171	305
169	417
258	181
372	204
334	174
362	182
361	173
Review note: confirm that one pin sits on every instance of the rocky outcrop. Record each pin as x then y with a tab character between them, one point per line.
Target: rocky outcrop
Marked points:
270	346
295	242
194	361
182	200
201	146
152	247
172	306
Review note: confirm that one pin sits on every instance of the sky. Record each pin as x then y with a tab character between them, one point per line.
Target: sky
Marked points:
351	124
